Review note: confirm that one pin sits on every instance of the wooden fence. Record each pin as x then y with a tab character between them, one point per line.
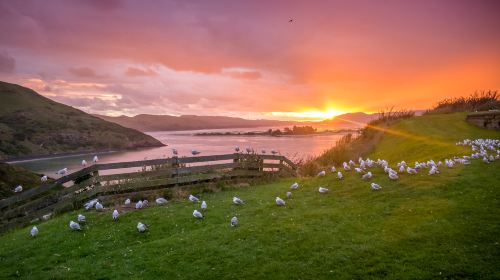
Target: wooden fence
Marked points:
92	182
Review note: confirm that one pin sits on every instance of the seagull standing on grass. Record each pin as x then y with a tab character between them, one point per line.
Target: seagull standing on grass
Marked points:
294	186
115	215
346	166
34	231
339	175
393	176
375	187
203	205
366	176
193	198
81	218
138	205
280	202
197	214
90	204
323	190
321	173
74	226
288	195
411	170
334	169
98	206
161	200
238	201
127	201
141	227
44	178
234	221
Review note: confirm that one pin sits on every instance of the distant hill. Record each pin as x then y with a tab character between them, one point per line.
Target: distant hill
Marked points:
31	125
189	122
358	119
146	122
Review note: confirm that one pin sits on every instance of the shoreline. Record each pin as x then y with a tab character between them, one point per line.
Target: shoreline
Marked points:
20	159
254	134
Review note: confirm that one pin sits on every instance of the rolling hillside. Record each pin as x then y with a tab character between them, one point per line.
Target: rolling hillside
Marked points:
418	227
31	124
146	122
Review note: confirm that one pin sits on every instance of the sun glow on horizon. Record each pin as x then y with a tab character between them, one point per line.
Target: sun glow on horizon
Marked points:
309	115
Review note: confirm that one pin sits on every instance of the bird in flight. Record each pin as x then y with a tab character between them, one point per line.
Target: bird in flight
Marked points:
290	20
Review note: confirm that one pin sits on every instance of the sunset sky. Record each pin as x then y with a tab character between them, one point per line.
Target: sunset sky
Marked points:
245	59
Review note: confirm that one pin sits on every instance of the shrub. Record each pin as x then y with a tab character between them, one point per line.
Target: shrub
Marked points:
478	101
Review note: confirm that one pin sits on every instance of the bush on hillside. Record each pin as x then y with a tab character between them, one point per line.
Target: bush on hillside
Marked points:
478	101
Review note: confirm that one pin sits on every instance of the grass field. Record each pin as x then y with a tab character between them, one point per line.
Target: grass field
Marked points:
419	227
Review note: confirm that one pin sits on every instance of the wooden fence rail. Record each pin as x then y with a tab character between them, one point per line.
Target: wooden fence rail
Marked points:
87	183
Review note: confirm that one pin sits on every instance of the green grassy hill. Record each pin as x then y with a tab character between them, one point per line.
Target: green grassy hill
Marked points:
419	227
12	176
31	124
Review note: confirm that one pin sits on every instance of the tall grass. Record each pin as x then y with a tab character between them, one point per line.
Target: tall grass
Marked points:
478	101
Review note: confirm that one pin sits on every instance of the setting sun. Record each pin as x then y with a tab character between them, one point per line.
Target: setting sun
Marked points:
309	115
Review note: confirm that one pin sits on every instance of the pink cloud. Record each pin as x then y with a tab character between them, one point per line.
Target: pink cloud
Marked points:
137	72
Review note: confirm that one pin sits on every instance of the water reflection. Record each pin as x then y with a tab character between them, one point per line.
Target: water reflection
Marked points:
291	146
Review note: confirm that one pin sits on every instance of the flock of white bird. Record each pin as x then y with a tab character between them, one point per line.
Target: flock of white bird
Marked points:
487	149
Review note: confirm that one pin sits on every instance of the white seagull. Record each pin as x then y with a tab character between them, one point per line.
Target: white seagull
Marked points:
84	163
62	171
288	195
98	206
34	231
197	214
141	227
238	201
96	159
115	215
393	176
138	205
321	173
44	178
18	189
280	202
161	200
74	226
376	187
339	175
81	218
323	190
127	201
234	221
90	204
203	205
366	176
334	169
294	186
193	198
